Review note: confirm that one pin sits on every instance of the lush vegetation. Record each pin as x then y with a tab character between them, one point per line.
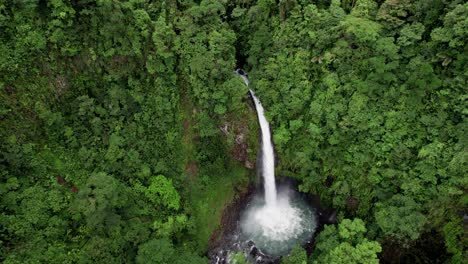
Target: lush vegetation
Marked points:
122	124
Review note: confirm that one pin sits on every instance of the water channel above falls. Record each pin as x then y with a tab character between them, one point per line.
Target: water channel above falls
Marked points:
270	222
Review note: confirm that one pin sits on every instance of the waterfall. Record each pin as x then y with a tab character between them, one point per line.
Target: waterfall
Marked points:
268	155
282	220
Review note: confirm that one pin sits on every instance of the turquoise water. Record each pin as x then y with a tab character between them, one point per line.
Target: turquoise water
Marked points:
276	230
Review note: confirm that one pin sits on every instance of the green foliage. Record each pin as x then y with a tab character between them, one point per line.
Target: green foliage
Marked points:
238	258
455	27
155	251
210	195
159	251
400	219
364	99
173	225
162	191
345	244
98	199
119	120
92	129
455	240
298	255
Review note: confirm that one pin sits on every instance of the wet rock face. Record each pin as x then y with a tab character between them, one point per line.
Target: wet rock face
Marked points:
249	250
328	217
240	149
241	72
258	257
248	164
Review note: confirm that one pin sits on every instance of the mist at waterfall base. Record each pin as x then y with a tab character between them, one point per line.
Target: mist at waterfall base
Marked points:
276	229
281	219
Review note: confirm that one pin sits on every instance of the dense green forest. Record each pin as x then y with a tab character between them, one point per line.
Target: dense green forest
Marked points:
125	133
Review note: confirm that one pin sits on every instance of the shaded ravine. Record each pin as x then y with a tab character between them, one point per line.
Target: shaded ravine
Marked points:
280	220
263	224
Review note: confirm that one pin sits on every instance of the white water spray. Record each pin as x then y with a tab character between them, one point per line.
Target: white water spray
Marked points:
268	155
278	223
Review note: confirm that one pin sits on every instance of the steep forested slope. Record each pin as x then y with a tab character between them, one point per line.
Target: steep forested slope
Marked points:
121	123
103	158
368	104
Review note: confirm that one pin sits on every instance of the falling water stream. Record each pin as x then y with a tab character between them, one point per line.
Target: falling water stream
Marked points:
279	220
268	155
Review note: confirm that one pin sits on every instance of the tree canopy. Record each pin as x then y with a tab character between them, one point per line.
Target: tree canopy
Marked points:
124	131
